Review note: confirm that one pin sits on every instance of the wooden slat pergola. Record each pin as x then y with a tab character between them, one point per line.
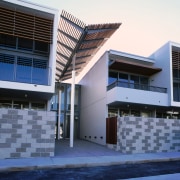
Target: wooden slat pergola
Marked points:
74	37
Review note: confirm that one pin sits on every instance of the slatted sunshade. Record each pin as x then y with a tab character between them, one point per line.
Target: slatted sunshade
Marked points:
16	23
74	37
176	59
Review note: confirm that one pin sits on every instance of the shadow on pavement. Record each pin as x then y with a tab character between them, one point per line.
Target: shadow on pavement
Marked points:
82	148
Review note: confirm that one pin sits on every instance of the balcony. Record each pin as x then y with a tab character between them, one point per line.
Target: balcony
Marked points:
137	86
123	92
24	70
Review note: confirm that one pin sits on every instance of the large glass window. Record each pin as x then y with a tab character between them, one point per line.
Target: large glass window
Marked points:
134	82
41	47
25	44
123	80
176	91
20	105
7	41
113	77
65	109
5	104
112	112
31	67
38	106
144	81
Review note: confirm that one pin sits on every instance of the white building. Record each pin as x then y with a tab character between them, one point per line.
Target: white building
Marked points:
126	85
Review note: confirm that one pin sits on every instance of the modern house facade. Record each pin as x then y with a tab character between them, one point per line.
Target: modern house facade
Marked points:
142	92
39	49
28	38
129	103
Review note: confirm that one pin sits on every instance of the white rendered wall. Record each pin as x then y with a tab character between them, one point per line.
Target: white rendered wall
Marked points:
163	78
137	96
93	102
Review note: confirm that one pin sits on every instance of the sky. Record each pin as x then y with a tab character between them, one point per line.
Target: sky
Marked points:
146	24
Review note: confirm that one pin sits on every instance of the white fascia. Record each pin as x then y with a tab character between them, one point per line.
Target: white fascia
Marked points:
32	5
132	56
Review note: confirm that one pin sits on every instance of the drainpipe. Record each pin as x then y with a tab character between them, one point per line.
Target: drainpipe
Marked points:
72	103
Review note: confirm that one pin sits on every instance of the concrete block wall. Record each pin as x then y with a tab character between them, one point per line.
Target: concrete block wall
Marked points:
25	133
147	135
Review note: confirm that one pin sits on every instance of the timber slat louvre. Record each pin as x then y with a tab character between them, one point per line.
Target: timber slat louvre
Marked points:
25	25
176	60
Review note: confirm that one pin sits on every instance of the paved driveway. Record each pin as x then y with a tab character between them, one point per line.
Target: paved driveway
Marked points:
82	148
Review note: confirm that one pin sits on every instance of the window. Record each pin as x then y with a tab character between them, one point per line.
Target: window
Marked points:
144	83
134	81
5	104
41	47
7	41
112	112
113	77
123	80
176	91
135	113
20	105
25	44
124	113
38	106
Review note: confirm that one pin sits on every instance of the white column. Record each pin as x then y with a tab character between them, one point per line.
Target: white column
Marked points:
59	114
72	104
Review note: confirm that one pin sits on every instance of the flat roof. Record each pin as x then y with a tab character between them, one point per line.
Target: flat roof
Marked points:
132	56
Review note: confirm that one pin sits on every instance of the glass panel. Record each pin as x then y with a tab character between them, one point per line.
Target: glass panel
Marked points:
7	67
144	80
68	97
38	106
112	112
134	82
67	126
144	83
5	104
124	112
7	41
24	68
54	102
145	114
39	72
175	73
25	44
135	113
113	77
123	80
175	91
41	47
76	101
20	105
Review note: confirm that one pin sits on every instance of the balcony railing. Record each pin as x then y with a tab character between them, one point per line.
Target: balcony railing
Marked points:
136	86
24	73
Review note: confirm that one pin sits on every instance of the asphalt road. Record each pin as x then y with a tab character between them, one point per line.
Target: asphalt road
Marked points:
95	173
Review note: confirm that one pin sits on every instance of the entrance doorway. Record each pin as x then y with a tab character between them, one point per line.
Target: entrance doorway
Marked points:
64	128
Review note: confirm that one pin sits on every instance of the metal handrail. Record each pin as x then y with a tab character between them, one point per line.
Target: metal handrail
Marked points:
144	87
